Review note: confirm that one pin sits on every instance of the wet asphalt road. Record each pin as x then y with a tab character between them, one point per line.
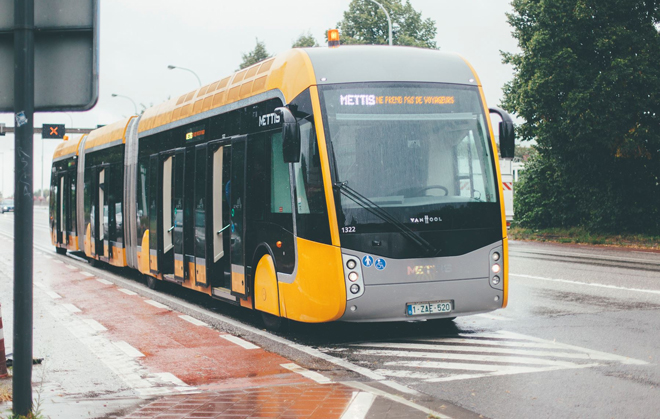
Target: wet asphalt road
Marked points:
578	339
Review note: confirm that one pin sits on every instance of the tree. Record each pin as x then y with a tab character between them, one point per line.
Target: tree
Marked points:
587	85
365	23
258	54
305	40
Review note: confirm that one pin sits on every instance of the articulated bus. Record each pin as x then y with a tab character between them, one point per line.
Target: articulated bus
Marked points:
356	184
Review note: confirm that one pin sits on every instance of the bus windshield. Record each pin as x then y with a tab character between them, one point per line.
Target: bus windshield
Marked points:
411	149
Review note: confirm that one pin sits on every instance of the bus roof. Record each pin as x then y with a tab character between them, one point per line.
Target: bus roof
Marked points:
68	148
293	71
108	135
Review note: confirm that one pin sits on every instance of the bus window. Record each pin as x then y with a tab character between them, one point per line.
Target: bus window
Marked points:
280	186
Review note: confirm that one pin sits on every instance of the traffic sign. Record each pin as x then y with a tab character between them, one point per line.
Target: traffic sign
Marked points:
62	29
52	131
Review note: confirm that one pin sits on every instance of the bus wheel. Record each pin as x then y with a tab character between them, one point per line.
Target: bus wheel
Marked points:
275	323
152	282
60	251
94	263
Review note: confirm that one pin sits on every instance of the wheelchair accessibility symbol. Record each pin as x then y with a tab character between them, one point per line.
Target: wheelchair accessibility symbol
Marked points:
380	264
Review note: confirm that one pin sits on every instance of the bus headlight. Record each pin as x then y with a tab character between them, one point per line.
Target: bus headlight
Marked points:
496	256
496	269
351	264
495	280
355	288
353	276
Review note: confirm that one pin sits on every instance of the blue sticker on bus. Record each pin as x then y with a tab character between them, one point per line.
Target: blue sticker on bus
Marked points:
380	264
367	261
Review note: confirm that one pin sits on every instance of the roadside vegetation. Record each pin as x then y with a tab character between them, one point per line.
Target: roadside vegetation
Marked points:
580	235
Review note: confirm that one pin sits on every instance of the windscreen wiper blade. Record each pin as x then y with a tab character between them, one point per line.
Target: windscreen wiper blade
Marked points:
379	212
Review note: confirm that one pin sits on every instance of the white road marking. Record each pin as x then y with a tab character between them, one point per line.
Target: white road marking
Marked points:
240	342
319	378
492	317
567	281
466	357
157	304
193	320
73	268
127	292
486	354
46	256
359	405
104	281
71	308
127	368
398	399
96	326
128	349
87	274
53	295
466	348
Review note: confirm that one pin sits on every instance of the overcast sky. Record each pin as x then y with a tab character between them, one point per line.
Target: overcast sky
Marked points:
140	38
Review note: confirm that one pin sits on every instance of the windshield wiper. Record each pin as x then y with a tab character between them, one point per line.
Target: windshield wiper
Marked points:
379	212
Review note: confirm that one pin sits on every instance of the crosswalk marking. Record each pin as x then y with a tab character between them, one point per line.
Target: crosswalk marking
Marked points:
468	356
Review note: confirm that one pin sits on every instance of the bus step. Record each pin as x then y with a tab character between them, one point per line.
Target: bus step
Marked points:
171	278
224	294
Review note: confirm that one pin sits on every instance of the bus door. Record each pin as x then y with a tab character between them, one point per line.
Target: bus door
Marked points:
105	249
237	209
219	232
170	188
60	205
178	219
200	215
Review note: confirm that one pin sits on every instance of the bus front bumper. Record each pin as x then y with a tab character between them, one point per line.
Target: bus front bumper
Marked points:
389	303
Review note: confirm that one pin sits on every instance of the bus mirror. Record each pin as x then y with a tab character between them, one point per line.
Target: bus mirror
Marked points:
290	135
507	134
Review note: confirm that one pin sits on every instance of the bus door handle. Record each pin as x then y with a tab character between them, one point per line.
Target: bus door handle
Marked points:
170	230
223	229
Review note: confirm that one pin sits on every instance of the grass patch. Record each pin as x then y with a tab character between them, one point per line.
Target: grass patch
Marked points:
579	235
5	390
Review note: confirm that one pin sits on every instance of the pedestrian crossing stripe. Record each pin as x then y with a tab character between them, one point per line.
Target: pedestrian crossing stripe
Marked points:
478	355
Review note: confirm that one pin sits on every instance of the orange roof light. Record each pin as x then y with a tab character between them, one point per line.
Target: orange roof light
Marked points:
333	38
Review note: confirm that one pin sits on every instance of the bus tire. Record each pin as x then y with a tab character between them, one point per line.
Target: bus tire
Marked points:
275	323
152	282
60	251
94	263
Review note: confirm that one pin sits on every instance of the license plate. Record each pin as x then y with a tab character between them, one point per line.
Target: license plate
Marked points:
429	308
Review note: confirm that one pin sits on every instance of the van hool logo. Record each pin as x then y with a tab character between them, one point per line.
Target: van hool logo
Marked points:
425	220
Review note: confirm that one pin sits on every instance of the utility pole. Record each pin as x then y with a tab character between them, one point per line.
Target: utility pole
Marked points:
23	201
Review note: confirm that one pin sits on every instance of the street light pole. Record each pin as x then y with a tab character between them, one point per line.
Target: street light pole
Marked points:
389	21
126	97
172	67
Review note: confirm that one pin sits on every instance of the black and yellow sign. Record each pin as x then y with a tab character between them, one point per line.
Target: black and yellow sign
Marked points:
52	131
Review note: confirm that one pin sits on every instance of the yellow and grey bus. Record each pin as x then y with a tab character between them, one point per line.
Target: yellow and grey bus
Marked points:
355	183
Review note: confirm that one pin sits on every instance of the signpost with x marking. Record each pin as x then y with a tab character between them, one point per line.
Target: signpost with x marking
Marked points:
52	131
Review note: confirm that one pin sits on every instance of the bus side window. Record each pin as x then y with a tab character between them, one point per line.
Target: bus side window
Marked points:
280	186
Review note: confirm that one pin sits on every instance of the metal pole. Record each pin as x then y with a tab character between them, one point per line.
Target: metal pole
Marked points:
389	21
172	67
23	215
126	97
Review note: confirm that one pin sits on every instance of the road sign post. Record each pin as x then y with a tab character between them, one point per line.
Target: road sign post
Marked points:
37	40
23	214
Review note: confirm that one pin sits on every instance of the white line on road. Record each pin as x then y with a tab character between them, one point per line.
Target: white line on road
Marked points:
87	274
71	308
193	320
96	326
319	378
465	357
128	349
359	406
127	292
566	281
240	342
467	348
492	317
104	281
53	295
157	304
